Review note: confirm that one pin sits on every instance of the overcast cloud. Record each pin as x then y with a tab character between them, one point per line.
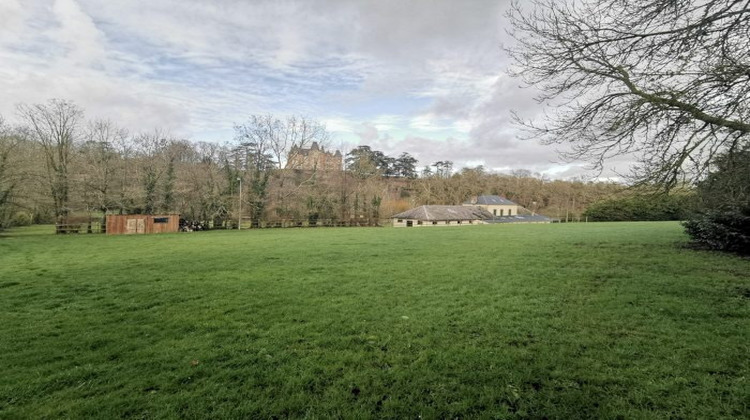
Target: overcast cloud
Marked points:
424	77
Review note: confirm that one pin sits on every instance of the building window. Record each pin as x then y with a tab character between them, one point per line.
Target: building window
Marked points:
161	219
434	222
459	222
510	212
501	212
419	222
494	212
400	220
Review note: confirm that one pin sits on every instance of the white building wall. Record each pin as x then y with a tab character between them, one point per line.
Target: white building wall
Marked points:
501	210
430	223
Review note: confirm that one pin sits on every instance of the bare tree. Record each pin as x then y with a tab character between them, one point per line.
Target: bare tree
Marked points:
255	160
56	127
157	153
8	173
203	193
295	132
668	80
100	163
126	185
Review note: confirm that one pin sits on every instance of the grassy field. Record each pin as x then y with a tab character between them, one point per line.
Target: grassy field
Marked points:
578	320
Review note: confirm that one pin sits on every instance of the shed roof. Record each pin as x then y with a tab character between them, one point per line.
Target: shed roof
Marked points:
435	212
491	200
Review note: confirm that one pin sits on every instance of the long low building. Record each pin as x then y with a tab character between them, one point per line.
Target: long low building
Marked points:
441	216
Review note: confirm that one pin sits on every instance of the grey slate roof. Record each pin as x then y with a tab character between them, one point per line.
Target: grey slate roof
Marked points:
526	218
445	213
492	200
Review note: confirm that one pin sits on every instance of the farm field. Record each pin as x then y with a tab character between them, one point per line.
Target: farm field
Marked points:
589	320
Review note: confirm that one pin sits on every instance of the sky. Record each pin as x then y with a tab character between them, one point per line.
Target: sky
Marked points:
424	77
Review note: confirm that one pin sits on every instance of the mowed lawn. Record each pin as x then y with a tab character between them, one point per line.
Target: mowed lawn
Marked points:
512	321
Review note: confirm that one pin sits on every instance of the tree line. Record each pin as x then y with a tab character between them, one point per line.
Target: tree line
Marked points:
57	166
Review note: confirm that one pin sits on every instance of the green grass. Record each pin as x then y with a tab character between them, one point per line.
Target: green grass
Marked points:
578	320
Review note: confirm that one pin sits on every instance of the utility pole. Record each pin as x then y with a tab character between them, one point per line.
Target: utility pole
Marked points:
239	216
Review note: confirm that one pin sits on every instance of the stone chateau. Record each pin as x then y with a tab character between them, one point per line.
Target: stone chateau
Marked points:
314	158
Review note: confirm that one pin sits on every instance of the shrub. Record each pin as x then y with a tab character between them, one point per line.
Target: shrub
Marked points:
725	194
22	219
639	208
722	230
43	216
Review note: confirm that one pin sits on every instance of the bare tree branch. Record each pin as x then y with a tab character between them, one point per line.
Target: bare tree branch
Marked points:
668	80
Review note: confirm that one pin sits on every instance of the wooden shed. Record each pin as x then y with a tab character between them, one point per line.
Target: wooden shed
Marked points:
129	224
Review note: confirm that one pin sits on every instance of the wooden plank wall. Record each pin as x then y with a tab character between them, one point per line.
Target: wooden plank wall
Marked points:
117	224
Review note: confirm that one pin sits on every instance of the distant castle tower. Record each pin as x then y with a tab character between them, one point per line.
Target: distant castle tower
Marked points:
314	158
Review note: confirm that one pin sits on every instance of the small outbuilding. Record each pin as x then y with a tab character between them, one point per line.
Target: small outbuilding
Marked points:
441	216
130	224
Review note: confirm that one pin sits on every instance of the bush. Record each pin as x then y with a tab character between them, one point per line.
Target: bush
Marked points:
640	208
722	230
725	194
22	219
43	217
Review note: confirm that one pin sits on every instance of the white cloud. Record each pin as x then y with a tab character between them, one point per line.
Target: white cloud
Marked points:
12	17
339	125
84	44
424	77
387	122
430	123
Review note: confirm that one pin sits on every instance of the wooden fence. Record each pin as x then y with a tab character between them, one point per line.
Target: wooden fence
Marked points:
306	223
84	227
